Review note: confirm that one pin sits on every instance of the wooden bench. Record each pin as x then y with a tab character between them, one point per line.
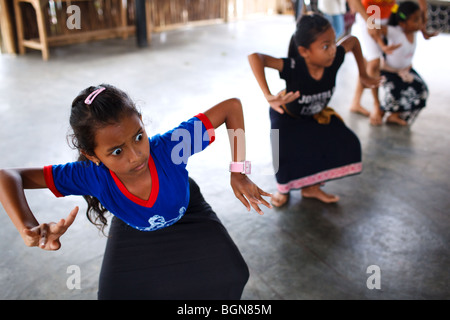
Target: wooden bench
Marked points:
45	40
161	15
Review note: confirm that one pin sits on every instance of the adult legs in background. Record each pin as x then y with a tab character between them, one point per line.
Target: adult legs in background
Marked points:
376	115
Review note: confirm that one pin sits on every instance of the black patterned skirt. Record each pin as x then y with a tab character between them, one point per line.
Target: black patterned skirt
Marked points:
406	98
306	152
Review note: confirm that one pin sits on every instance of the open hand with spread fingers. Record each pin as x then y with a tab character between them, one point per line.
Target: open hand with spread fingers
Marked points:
248	193
280	99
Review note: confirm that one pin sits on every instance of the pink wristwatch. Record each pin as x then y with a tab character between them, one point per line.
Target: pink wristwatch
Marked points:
243	167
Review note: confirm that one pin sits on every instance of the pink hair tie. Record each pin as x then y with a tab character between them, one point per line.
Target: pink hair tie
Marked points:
90	98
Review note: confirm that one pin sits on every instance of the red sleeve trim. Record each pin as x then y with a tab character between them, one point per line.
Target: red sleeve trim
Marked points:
208	125
48	176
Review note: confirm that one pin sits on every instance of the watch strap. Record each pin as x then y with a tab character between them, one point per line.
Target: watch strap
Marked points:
243	167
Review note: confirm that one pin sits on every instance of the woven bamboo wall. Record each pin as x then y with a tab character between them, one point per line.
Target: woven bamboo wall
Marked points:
243	8
95	15
166	13
161	14
111	17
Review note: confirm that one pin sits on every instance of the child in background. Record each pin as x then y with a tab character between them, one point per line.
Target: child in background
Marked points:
334	11
165	241
404	93
370	14
314	143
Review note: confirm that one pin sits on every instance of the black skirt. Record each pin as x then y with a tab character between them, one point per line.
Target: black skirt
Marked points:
306	152
193	259
406	98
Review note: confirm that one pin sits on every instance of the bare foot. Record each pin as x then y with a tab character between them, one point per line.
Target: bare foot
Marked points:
394	118
279	199
317	193
360	110
376	118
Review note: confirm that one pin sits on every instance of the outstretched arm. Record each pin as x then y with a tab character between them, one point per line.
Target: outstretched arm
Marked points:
230	113
260	61
13	182
351	43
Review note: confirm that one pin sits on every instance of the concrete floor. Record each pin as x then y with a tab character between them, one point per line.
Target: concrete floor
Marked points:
395	215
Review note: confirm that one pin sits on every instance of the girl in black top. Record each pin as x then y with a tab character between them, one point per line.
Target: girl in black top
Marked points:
314	144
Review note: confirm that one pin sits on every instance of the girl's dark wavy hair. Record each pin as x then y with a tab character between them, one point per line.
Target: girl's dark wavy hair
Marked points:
309	28
404	11
109	107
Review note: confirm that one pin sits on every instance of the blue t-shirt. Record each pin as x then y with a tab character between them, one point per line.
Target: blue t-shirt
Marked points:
169	196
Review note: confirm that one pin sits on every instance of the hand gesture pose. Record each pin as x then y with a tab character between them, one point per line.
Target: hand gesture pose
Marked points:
389	49
280	99
46	235
13	182
248	192
370	82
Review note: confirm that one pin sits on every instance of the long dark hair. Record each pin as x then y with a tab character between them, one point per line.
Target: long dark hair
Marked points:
404	11
309	28
109	107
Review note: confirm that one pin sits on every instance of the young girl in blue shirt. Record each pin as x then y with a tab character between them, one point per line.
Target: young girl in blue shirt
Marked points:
165	241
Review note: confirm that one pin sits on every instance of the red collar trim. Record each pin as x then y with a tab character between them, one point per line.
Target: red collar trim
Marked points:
155	187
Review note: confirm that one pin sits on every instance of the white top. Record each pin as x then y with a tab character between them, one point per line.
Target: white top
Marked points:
332	7
401	57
